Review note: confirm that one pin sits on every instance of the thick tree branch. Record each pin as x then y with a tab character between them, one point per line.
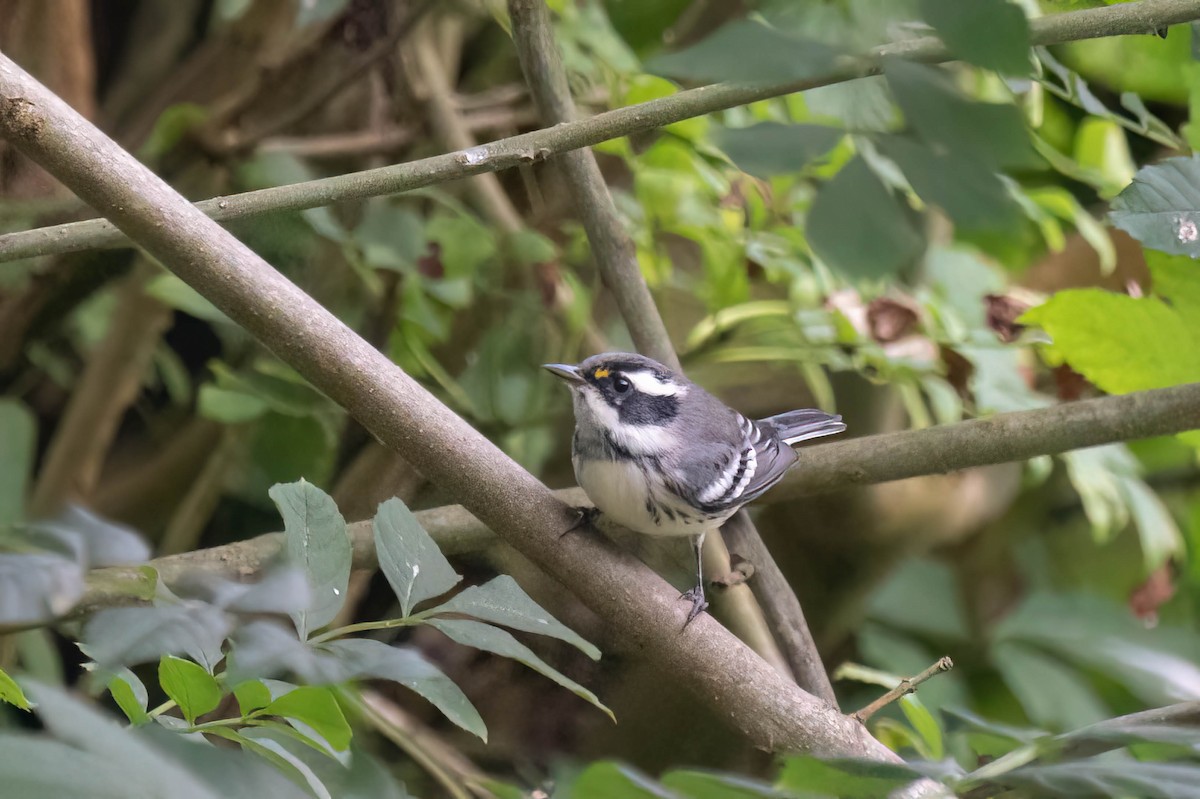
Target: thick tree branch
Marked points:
712	664
615	257
1143	17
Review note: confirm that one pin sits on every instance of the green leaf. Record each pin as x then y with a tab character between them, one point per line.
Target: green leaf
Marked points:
1176	278
414	566
390	237
193	689
530	248
848	779
11	693
714	785
925	724
1099	777
316	707
994	136
607	779
127	636
129	693
502	601
993	34
1120	343
858	227
280	750
970	194
497	641
172	291
252	695
364	658
229	406
18	431
772	148
36	768
747	52
1161	208
315	539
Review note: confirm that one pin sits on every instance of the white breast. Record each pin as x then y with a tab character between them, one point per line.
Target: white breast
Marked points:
625	495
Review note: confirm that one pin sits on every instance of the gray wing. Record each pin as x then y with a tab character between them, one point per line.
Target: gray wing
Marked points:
751	458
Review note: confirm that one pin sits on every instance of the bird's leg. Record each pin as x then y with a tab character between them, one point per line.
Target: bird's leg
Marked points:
587	518
696	594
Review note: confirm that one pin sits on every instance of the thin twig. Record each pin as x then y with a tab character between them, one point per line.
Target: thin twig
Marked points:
1127	18
906	686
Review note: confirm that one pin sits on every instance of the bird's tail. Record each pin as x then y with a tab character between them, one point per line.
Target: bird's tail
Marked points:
796	426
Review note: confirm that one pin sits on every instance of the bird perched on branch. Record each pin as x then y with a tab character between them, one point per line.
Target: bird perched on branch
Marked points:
660	455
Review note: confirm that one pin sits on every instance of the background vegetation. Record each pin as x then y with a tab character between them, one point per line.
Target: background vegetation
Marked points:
844	222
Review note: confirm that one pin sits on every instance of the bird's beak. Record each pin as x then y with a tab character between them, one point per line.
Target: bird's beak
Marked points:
566	371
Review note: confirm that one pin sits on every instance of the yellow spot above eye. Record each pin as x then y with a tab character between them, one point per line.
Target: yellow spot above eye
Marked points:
601	372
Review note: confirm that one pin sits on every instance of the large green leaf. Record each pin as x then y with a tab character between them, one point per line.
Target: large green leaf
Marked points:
366	658
858	227
37	768
1053	693
414	566
1176	278
18	432
315	539
772	148
970	194
844	778
1118	342
716	785
499	642
607	779
502	601
993	34
992	135
746	51
193	689
1161	208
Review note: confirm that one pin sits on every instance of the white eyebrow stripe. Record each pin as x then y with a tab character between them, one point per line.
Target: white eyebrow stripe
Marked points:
647	383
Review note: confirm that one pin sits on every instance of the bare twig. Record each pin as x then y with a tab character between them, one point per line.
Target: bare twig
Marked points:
906	686
1127	18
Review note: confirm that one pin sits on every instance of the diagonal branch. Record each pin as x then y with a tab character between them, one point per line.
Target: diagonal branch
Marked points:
717	668
1143	17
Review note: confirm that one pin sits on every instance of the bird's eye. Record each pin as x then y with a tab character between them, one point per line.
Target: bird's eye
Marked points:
621	385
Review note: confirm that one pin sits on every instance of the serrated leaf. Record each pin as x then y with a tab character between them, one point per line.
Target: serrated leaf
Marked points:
414	566
849	779
772	148
316	707
858	227
993	34
11	693
315	539
499	642
190	686
746	52
973	196
366	658
502	601
1161	207
128	636
18	431
1120	343
989	134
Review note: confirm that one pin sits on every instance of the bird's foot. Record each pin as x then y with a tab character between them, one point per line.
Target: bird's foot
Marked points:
587	518
695	595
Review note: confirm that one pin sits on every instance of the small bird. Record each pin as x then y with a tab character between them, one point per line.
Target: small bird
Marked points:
660	455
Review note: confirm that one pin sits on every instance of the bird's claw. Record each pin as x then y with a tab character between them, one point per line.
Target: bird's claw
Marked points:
695	595
587	518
